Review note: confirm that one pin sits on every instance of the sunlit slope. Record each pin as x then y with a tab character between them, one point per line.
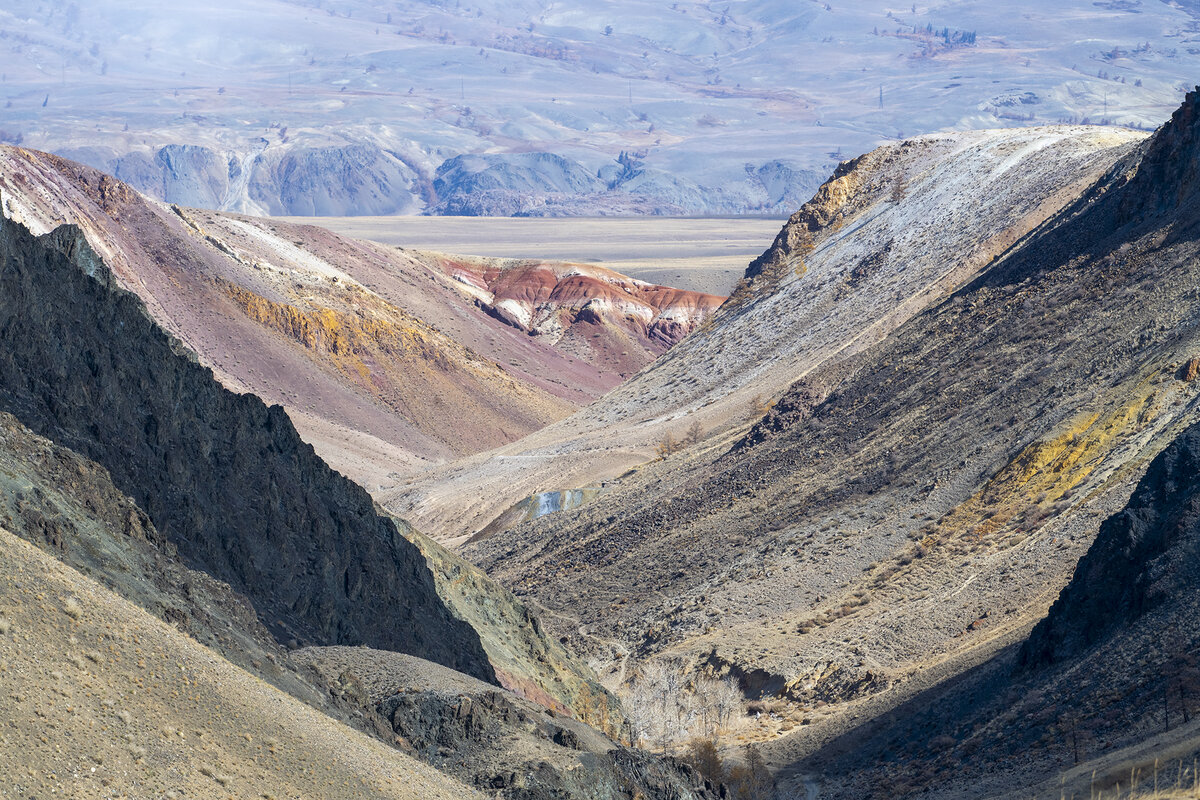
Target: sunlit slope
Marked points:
101	698
892	233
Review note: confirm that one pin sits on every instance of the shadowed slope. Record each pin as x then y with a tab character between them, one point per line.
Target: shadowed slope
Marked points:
223	477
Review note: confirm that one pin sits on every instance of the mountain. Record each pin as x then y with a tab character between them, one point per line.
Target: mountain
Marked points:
886	237
386	359
912	504
1101	697
338	107
123	458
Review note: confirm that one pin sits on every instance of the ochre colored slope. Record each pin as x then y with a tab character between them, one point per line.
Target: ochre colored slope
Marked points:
385	361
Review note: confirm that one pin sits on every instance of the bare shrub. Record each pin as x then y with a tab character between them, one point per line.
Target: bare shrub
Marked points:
665	710
668	445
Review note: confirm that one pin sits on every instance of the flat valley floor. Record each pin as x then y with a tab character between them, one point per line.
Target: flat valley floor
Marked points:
701	254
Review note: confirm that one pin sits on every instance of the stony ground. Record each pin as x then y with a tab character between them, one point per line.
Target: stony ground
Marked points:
102	700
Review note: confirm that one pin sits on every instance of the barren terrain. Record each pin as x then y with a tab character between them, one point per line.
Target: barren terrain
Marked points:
704	255
556	108
880	256
389	359
887	534
101	699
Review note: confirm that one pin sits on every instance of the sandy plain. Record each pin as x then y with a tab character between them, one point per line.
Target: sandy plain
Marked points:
701	254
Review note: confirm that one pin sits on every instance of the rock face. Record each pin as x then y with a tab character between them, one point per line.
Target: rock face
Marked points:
179	173
349	180
503	745
224	478
1168	175
463	182
356	179
590	312
1143	557
527	662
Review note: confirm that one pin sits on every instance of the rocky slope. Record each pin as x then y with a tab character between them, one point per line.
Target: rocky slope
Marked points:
166	417
384	358
67	506
888	236
1104	691
316	560
103	699
915	502
526	661
496	742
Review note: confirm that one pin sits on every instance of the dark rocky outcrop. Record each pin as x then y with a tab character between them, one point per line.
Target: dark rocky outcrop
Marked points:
504	745
1168	173
1144	556
477	729
224	478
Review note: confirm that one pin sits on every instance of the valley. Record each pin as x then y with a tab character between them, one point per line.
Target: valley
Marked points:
534	108
703	255
908	509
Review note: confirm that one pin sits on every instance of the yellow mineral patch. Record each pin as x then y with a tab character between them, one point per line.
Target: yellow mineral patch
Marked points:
1024	491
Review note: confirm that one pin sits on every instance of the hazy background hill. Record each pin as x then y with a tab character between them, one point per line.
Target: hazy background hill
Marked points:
534	107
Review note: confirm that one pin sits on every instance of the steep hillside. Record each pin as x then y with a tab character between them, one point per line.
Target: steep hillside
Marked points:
67	506
904	511
385	359
1104	691
224	478
101	699
888	236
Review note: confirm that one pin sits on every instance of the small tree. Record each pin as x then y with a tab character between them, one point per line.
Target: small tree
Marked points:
702	754
668	445
1182	685
751	780
694	434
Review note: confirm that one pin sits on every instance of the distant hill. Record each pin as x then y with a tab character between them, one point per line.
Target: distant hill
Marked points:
387	359
348	107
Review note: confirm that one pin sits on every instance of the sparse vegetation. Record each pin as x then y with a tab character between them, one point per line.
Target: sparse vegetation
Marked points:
667	710
72	608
